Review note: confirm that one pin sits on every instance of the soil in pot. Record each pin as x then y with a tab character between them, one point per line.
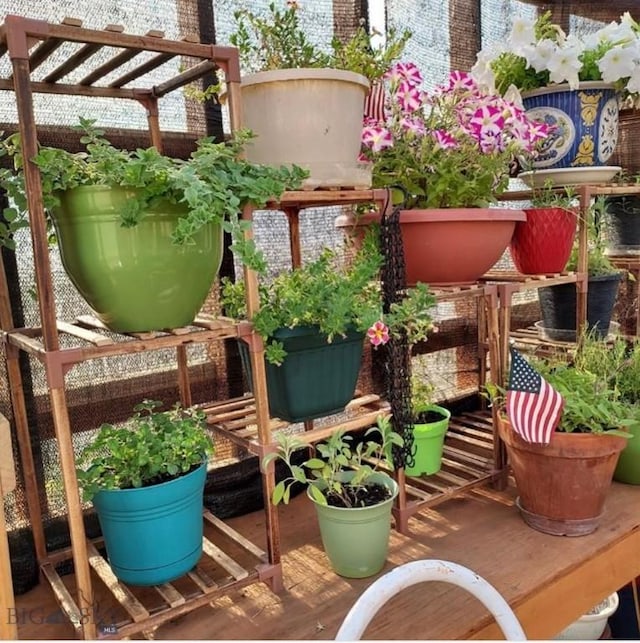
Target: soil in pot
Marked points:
364	496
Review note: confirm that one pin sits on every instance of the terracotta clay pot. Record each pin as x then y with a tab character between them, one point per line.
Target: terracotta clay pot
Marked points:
542	244
562	486
448	246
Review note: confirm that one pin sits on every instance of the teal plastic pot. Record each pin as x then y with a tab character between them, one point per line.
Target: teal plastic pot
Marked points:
356	541
428	440
153	535
628	467
135	279
316	378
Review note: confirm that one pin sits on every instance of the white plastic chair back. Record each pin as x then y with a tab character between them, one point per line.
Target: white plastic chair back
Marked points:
387	586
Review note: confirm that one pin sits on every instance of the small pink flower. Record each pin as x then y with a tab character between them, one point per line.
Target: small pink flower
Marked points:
378	333
460	80
408	72
376	138
538	131
444	140
413	125
486	120
408	97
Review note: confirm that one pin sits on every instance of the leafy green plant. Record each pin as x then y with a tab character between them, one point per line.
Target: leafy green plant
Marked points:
335	297
151	447
615	362
278	41
214	183
323	475
597	384
598	263
550	196
591	404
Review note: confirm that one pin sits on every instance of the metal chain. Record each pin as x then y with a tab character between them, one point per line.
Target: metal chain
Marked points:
398	354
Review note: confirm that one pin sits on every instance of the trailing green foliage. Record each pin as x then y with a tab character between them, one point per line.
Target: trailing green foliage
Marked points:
333	296
323	474
151	447
214	183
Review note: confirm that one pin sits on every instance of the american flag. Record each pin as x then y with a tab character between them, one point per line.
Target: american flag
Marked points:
374	103
534	407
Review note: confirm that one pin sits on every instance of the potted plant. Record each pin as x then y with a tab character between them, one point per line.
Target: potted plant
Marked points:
618	364
146	480
430	424
140	234
352	496
571	82
563	485
542	244
591	625
304	105
313	321
446	156
621	220
558	303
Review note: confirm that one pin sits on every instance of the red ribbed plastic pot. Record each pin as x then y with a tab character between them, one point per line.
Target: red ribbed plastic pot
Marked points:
542	244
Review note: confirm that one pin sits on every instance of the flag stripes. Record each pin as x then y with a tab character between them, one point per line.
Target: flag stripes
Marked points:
534	407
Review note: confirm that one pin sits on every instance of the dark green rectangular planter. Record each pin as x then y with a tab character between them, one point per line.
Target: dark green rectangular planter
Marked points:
316	378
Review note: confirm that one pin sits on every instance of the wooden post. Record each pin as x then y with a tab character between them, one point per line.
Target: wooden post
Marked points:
8	627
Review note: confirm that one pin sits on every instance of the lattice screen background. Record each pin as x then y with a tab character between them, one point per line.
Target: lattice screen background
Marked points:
445	34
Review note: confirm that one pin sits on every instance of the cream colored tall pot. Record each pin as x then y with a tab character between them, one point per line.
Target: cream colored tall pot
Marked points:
311	118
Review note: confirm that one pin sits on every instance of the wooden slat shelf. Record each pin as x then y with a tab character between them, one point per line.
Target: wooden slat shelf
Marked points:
236	420
145	609
94	340
462	468
528	282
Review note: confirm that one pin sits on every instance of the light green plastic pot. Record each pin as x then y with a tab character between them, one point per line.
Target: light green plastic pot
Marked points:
356	541
628	467
135	279
428	440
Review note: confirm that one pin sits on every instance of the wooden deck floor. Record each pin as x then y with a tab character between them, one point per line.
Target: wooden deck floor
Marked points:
548	580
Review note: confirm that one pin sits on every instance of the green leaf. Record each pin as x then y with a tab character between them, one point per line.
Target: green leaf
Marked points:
278	492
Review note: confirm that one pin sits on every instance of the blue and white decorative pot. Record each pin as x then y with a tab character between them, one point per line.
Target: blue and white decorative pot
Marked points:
585	122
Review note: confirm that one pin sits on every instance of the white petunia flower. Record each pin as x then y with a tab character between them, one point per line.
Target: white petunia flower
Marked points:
617	63
541	54
522	32
564	67
633	85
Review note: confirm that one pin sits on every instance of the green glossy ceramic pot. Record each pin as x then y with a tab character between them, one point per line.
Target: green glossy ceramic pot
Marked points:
135	279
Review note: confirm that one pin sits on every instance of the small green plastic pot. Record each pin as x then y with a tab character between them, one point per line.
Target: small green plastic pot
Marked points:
356	540
628	467
428	440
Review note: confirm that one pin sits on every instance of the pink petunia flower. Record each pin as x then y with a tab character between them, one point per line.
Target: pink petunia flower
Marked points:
408	97
408	72
376	138
444	139
487	120
378	334
413	125
460	80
